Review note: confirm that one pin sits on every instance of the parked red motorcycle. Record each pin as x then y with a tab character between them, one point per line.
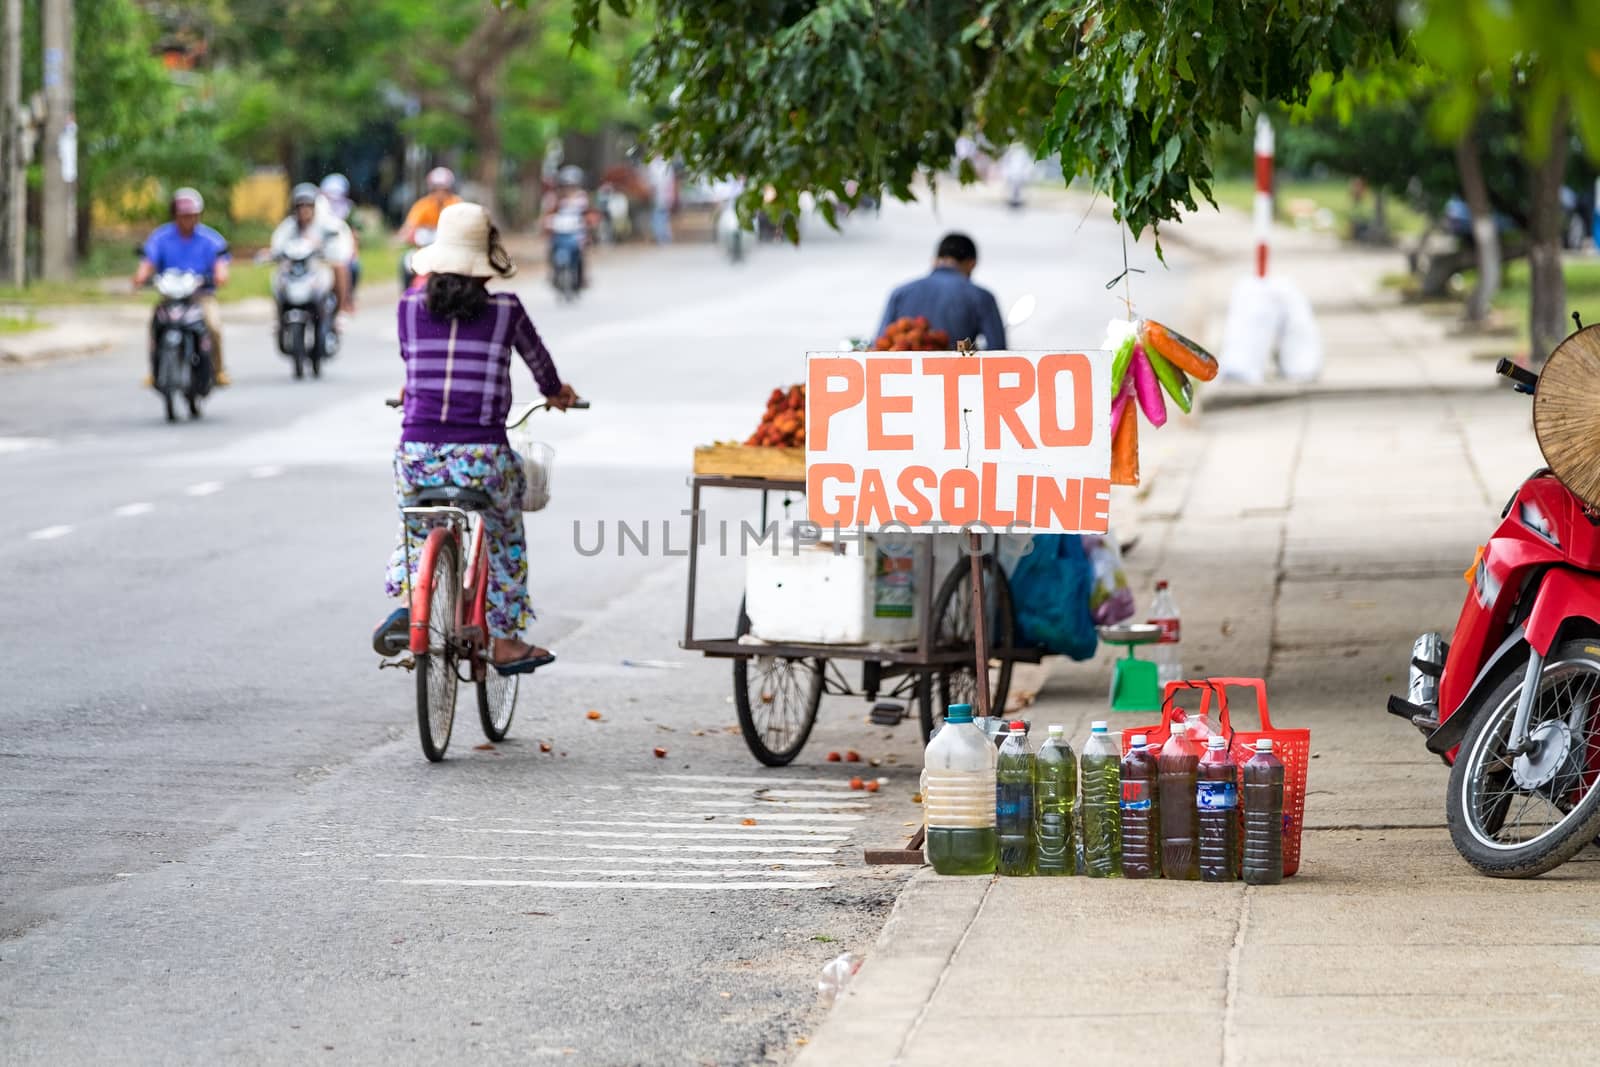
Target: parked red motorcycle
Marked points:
1512	702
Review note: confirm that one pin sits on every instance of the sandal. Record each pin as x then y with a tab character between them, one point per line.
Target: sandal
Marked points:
526	665
393	635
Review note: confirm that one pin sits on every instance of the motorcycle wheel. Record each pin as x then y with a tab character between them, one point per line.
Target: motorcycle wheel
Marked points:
166	375
194	406
299	352
1521	816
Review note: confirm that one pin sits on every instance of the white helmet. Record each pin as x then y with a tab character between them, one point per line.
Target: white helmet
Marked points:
441	178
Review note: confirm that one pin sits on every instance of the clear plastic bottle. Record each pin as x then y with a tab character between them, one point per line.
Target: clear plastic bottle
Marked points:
835	976
1102	791
1179	765
1217	804
1141	823
1263	816
1014	802
958	792
1055	795
1166	653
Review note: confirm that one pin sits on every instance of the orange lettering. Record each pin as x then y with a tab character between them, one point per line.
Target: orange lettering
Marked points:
1024	505
951	368
817	474
1051	433
993	517
874	500
1062	500
960	480
1000	402
822	403
879	405
1097	503
920	510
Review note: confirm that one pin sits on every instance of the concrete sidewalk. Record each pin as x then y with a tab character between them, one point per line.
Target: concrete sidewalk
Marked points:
1308	541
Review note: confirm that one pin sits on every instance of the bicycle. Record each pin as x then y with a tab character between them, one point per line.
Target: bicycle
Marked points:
448	625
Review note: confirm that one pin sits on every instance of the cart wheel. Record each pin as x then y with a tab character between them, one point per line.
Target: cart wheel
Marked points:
952	620
777	700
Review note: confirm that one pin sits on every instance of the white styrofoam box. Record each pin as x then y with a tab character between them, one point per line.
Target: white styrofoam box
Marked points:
847	594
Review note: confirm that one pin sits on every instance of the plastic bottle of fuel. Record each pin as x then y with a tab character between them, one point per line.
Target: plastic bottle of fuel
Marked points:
1179	765
1263	816
1164	613
958	791
1217	802
1102	789
1014	802
1141	827
1055	795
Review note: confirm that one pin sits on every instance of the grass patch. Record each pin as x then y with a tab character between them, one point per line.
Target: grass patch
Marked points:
13	324
1307	197
1512	302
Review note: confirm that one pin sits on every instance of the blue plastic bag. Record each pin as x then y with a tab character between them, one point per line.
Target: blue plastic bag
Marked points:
1050	589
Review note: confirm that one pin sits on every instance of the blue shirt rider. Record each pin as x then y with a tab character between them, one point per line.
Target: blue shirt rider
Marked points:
186	243
948	299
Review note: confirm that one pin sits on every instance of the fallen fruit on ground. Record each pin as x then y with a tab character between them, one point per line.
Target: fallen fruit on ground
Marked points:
852	756
544	746
834	757
856	783
592	714
872	787
747	822
660	752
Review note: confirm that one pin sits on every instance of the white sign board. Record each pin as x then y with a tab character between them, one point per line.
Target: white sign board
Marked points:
931	441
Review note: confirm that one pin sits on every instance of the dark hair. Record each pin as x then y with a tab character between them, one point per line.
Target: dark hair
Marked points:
959	247
456	296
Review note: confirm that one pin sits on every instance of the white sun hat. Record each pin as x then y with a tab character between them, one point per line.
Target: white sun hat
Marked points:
466	242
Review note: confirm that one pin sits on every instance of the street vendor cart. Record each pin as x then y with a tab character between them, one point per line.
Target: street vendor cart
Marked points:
778	684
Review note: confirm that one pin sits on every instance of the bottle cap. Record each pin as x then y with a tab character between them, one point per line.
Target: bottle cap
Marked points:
1057	730
1018	726
1139	741
958	713
1216	741
1098	726
1162	584
1264	745
1180	729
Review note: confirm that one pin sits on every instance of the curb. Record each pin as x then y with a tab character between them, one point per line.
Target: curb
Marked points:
876	1015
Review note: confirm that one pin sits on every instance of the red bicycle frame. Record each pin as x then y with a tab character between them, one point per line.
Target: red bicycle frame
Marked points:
470	627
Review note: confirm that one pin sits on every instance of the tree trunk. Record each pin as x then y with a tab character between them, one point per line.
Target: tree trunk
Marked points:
1547	312
1485	234
486	137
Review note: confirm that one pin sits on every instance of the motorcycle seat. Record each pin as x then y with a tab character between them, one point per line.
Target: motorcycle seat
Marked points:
454	496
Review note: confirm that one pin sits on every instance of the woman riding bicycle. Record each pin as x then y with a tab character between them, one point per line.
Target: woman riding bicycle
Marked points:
457	339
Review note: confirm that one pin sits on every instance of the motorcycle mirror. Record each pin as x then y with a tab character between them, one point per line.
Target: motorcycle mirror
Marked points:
1022	310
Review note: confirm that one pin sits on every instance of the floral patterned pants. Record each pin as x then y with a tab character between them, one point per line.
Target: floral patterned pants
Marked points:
495	470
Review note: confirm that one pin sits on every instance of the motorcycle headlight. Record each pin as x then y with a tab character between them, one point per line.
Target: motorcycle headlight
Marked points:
1535	520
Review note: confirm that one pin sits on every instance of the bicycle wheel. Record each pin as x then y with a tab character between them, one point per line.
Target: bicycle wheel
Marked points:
952	618
777	700
436	668
497	702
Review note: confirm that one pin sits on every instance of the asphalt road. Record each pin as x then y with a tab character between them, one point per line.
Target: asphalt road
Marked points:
218	838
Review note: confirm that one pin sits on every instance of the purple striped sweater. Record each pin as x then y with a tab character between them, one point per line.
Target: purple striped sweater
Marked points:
458	374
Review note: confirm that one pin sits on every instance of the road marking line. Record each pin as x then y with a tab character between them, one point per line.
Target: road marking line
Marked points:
786	860
134	510
812	831
808	850
715	838
507	883
204	488
611	873
757	779
831	805
759	794
50	533
267	470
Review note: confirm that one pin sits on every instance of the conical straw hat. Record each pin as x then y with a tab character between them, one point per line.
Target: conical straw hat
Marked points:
1566	413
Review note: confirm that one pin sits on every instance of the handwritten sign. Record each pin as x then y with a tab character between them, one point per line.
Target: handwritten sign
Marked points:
932	441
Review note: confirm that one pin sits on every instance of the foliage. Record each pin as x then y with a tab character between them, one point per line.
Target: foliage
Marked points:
821	94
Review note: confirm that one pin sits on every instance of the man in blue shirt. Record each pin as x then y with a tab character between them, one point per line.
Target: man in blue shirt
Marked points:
187	244
949	300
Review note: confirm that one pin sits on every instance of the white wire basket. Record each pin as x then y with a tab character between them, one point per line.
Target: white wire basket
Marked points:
537	459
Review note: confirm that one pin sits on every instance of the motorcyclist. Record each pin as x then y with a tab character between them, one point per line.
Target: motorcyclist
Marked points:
186	243
328	235
424	214
566	218
335	201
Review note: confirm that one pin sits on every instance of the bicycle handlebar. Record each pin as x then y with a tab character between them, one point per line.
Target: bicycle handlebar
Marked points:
581	405
1522	380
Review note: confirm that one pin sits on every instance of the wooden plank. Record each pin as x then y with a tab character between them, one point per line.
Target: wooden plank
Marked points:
911	855
750	461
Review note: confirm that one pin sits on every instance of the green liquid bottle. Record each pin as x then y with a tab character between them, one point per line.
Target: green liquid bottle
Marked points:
1055	795
1102	795
958	793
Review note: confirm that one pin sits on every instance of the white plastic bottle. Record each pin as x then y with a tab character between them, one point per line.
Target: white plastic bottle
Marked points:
958	797
1164	613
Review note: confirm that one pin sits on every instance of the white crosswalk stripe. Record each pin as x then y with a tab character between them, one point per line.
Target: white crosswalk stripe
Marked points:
660	833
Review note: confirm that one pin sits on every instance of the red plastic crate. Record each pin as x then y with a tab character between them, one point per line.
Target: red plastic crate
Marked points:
1293	747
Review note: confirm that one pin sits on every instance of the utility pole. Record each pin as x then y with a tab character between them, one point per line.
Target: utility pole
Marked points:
60	144
13	178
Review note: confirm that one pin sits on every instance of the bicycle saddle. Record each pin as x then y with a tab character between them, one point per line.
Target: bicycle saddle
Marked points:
454	496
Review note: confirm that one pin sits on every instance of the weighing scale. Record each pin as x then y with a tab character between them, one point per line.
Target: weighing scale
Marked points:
1135	683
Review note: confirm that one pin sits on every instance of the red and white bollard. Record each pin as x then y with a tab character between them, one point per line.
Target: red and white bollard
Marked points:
1263	201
